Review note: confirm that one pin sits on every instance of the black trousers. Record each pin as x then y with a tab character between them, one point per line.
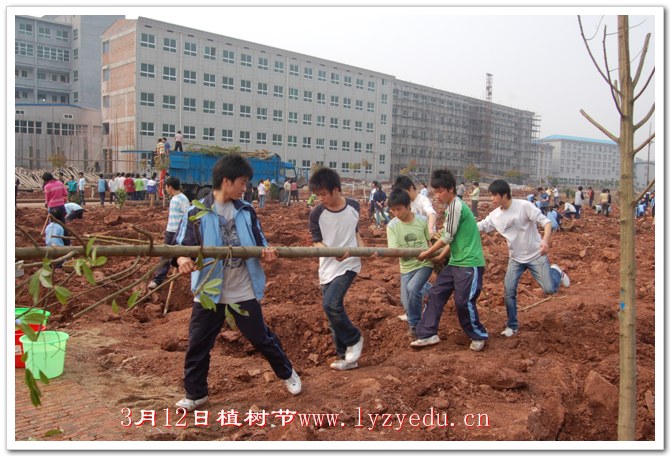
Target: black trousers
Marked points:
161	273
205	326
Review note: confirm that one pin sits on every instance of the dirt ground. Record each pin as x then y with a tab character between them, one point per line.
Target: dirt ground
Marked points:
556	380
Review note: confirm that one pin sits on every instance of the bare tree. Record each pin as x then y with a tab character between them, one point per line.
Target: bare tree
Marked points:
624	96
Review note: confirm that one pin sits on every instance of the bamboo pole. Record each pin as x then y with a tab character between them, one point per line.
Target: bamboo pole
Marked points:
24	253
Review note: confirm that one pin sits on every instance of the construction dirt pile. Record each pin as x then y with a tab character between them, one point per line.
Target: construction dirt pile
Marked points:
556	380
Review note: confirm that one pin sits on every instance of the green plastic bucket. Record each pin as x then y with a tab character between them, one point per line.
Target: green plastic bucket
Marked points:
21	313
46	354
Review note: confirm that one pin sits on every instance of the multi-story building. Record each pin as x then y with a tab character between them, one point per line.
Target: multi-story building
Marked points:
433	128
584	161
644	173
160	78
57	89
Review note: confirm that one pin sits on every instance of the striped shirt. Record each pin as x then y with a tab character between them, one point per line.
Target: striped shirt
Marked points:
178	207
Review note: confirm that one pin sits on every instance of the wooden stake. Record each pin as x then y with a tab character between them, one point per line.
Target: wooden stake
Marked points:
167	301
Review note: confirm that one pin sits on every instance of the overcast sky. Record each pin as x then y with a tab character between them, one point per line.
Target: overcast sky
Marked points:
536	55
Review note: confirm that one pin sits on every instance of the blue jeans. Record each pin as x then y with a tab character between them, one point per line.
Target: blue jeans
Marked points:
344	332
411	292
261	201
549	279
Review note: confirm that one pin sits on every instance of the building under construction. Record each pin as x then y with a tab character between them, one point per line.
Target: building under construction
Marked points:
435	129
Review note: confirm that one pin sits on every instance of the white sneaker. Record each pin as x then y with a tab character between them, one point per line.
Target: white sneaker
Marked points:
354	352
509	332
293	383
402	317
152	285
343	365
190	404
432	340
565	280
477	345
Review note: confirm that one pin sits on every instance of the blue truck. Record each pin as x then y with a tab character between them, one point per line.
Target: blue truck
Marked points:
194	170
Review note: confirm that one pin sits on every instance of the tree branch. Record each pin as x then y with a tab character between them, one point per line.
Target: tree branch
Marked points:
606	78
145	233
641	146
645	47
646	118
599	127
617	101
69	230
642	193
653	70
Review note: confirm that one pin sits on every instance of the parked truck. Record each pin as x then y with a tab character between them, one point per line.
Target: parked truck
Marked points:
194	170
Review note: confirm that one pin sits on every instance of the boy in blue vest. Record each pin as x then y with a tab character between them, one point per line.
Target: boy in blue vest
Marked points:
229	221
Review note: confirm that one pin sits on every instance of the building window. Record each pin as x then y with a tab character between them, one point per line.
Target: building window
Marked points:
322	75
306	142
320	121
358	126
169	73
359	83
321	98
245	85
292	94
347	81
292	117
334	100
21	48
357	147
245	137
228	83
262	63
262	113
147	70
190	49
346	102
345	167
147	40
245	60
383	119
44	32
308	73
209	80
228	56
189	132
332	165
385	98
278	91
189	77
146	129
371	106
75	54
262	88
208	133
277	115
306	163
276	139
292	141
76	97
189	104
227	135
368	148
307	119
261	138
382	139
293	69
359	105
371	86
146	99
49	53
62	35
333	122
26	29
210	53
370	127
169	102
279	66
333	144
42	75
209	107
245	111
169	44
382	159
227	109
168	130
335	78
346	124
346	146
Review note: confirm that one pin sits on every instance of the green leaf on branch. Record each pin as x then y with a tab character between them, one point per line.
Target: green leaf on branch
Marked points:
34	287
133	299
99	261
230	319
206	302
94	255
77	265
88	273
199	262
198	204
239	310
53	432
198	216
115	307
43	378
28	331
62	294
89	246
34	390
45	279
